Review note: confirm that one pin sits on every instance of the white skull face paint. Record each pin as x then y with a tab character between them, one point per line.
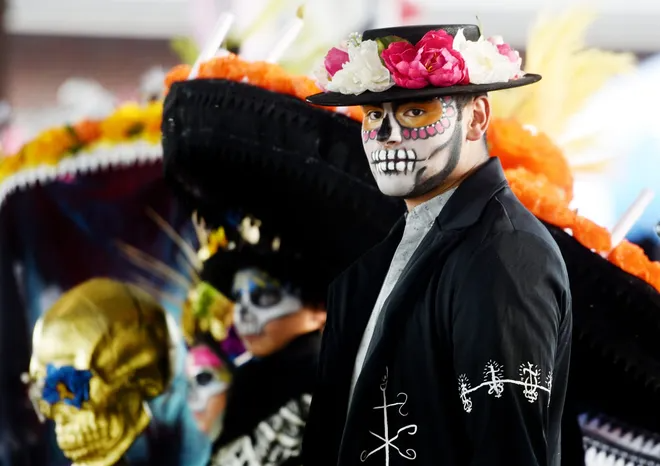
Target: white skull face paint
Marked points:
259	300
208	380
207	376
412	147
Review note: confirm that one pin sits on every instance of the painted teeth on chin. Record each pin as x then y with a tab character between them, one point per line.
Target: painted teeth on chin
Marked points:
401	166
382	155
411	154
391	154
410	166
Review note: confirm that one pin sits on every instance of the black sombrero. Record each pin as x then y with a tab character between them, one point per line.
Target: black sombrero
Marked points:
290	269
300	170
413	34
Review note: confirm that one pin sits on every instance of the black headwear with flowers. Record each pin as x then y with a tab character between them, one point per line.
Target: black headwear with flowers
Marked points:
418	62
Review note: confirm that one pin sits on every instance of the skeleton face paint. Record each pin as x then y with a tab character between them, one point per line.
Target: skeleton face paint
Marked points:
259	300
412	147
208	381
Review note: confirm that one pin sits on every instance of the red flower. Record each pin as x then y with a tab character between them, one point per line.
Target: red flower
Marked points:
403	62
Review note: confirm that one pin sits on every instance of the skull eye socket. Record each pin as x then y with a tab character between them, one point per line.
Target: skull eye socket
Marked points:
204	378
266	297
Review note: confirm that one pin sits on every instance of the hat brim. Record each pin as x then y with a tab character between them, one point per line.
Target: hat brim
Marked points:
300	170
395	94
616	337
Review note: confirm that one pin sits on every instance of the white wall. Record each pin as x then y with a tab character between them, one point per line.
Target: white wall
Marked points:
630	24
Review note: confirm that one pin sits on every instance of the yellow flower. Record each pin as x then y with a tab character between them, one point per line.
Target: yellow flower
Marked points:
126	122
153	114
10	165
49	147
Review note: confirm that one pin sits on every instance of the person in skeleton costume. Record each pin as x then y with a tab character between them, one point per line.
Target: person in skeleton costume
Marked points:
99	354
208	380
468	293
280	326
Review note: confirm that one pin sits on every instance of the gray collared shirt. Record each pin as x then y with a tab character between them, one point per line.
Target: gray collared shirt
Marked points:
418	223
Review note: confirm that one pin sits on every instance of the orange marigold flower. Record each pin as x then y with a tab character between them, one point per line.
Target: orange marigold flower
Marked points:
591	235
516	147
178	73
355	113
304	87
229	67
654	275
87	131
632	259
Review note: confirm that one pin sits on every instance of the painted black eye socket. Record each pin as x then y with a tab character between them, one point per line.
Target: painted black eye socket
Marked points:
266	297
204	378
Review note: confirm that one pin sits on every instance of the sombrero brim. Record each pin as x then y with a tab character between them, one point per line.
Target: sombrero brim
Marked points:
395	94
615	349
301	170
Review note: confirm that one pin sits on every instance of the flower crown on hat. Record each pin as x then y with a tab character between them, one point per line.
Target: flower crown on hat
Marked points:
438	60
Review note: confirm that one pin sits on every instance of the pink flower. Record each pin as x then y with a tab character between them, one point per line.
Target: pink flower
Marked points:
505	49
445	65
334	60
403	61
431	61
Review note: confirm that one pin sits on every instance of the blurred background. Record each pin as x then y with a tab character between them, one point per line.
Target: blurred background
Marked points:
66	60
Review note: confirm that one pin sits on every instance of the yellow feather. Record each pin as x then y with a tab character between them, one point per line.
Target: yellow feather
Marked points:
571	75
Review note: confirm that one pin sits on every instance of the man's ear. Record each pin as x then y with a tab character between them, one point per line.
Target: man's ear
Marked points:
480	115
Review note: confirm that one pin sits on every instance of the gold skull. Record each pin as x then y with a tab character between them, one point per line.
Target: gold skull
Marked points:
99	354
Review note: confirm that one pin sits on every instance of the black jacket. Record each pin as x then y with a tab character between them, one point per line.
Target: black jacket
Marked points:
267	406
469	360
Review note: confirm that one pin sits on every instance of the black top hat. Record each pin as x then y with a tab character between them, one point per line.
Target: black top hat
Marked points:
230	147
413	34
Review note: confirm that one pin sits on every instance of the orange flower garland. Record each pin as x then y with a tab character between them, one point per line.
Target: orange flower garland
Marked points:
518	147
536	184
268	76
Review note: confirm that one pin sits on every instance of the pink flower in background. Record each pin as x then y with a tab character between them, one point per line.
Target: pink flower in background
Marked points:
505	49
335	59
404	63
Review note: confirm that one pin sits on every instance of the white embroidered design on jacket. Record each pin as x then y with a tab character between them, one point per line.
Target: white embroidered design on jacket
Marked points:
389	442
530	376
274	440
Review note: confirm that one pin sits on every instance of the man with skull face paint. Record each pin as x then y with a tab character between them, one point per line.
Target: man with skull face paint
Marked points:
268	400
456	329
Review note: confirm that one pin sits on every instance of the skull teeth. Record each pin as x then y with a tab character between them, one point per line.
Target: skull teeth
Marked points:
393	161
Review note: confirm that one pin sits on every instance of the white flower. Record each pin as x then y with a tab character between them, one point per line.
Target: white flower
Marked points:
321	77
484	63
363	72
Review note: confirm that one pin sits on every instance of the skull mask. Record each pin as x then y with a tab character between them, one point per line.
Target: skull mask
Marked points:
259	300
99	354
